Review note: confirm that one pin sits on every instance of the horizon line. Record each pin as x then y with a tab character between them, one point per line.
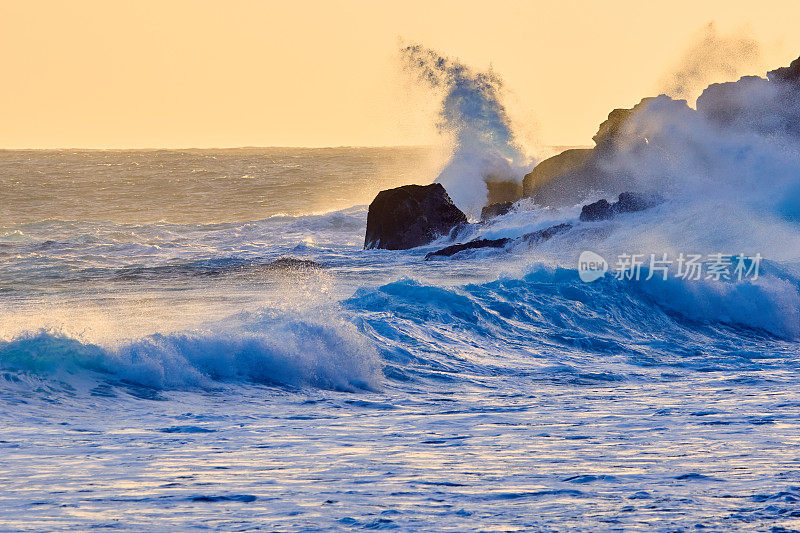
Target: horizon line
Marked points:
247	147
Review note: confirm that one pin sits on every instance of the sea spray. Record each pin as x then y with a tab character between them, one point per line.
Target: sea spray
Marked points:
711	57
472	113
729	169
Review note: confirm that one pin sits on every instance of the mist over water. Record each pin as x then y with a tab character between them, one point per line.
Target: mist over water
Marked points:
199	186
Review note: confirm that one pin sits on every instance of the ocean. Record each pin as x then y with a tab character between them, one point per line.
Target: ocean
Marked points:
165	367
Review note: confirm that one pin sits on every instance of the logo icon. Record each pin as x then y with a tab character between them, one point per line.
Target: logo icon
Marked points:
591	266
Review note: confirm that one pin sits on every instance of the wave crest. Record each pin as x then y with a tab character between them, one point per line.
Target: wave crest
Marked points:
291	351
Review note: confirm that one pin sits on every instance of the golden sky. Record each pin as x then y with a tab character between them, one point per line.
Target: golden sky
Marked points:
295	73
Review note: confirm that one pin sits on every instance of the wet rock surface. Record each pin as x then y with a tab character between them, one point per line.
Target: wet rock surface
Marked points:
410	216
534	237
627	202
495	210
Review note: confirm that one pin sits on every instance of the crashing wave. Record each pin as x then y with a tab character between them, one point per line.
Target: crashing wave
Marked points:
263	349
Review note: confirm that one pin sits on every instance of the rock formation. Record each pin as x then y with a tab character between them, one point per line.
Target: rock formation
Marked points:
447	251
627	202
532	238
410	216
546	179
786	74
495	210
503	191
564	179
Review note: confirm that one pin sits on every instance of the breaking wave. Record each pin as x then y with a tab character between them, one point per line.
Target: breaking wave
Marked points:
265	349
548	321
547	325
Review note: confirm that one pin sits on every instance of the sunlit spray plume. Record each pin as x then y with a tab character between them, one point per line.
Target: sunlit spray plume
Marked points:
472	113
711	58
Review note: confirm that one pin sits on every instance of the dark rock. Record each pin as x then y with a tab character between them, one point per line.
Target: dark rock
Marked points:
612	132
410	216
725	103
627	202
495	210
471	245
503	191
630	202
554	169
786	74
292	263
769	106
535	237
564	179
599	210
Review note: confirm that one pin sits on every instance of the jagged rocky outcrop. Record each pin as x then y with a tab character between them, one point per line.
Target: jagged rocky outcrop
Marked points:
723	104
410	216
534	237
495	210
613	133
564	179
558	177
769	106
627	202
633	147
789	74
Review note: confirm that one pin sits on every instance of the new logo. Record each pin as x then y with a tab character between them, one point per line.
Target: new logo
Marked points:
591	266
